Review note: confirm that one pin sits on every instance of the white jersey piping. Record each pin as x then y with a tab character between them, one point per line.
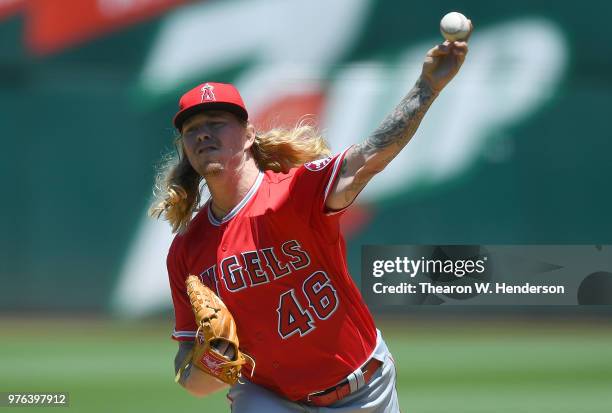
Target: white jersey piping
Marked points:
238	207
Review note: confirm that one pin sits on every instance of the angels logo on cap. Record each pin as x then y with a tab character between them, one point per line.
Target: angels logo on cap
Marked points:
210	96
207	92
318	164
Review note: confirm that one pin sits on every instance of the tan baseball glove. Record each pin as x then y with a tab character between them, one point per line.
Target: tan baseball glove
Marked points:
216	348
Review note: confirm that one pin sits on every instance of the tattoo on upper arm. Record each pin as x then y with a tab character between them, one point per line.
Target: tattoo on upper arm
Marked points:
394	132
343	167
399	126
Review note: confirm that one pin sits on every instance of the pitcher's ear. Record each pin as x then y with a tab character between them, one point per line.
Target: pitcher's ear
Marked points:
250	134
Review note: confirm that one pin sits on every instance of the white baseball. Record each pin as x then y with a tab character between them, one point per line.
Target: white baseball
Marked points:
454	26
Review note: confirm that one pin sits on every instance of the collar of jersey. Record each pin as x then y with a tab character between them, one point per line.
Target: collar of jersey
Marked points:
238	207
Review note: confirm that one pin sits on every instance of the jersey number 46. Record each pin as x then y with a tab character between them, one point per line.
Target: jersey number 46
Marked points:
322	299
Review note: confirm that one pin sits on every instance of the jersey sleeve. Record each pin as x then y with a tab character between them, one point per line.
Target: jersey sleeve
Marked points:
312	183
184	320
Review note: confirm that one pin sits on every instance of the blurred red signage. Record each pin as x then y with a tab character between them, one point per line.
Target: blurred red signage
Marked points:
9	7
52	25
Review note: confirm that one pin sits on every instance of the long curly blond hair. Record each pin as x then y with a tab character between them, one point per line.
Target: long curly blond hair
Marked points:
178	187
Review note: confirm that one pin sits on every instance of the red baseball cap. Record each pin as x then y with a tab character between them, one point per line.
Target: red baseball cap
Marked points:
210	96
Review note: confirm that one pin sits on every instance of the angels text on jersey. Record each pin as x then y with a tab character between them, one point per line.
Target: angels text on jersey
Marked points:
298	308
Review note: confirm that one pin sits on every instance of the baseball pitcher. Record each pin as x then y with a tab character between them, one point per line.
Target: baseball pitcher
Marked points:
264	303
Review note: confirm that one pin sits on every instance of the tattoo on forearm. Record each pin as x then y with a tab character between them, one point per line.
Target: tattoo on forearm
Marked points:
399	126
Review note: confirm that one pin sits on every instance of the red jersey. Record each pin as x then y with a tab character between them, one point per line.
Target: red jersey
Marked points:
278	262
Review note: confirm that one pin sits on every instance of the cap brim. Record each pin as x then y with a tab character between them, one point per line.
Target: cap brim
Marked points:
182	116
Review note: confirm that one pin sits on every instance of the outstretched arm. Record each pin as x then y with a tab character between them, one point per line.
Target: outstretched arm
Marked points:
365	160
